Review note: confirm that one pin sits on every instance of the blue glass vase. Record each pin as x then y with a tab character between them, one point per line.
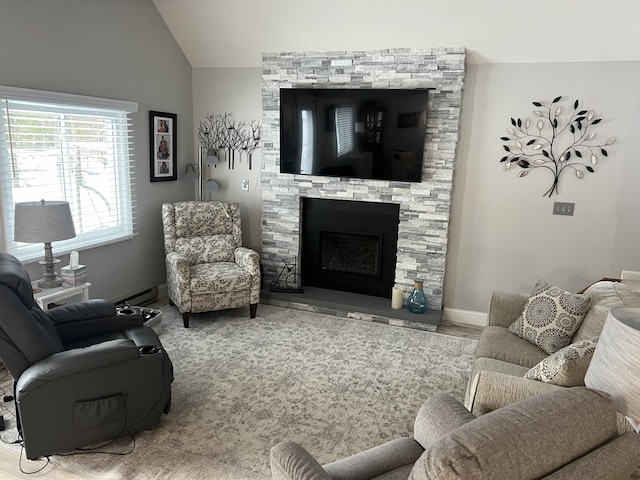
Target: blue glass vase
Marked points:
417	302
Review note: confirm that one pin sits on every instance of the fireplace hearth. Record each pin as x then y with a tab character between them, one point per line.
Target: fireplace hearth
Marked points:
349	245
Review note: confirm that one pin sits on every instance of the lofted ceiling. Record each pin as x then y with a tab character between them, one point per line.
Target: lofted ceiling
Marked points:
234	33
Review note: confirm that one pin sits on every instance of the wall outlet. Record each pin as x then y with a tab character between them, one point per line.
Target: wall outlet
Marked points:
245	185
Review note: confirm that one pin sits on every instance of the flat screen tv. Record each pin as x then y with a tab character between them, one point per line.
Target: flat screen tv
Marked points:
358	133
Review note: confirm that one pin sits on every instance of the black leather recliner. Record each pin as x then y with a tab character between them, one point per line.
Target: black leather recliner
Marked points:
83	372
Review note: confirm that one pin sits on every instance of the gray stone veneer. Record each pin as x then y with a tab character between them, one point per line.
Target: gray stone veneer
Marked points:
424	207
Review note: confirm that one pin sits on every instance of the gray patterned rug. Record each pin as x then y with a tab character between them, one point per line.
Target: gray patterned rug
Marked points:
335	385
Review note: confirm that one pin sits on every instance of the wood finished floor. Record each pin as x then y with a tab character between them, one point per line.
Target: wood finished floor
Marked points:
10	459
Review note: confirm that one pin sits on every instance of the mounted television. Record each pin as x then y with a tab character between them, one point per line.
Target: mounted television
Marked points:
357	133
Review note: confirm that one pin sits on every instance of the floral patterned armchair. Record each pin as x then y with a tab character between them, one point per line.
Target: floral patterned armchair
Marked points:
207	267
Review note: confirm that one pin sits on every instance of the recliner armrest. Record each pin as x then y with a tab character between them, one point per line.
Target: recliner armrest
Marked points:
91	318
71	362
89	309
180	263
290	461
437	417
248	259
379	461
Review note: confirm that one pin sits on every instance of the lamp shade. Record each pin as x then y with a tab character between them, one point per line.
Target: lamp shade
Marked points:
190	172
43	222
615	366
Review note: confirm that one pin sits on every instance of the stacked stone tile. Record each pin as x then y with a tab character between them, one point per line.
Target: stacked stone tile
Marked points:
424	207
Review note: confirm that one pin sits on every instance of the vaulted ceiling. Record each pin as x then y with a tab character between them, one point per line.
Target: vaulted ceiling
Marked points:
234	33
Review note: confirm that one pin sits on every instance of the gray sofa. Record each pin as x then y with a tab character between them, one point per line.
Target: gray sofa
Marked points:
502	358
567	434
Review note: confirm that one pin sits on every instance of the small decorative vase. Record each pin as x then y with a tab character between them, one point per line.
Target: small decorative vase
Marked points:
417	302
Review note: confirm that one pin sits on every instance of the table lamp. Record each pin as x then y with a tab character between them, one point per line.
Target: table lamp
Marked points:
615	366
44	221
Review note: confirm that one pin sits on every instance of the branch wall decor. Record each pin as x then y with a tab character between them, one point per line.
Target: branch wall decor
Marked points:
220	133
562	139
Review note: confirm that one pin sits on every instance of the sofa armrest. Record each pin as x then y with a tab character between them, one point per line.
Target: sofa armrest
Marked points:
290	461
505	307
437	417
614	460
492	390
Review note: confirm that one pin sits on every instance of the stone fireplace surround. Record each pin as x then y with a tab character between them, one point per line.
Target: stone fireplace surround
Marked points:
424	207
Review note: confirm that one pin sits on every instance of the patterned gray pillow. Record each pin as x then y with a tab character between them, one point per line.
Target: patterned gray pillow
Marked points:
567	367
551	316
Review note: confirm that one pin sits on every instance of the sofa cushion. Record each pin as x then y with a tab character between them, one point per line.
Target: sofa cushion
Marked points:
604	296
567	367
528	439
500	344
551	316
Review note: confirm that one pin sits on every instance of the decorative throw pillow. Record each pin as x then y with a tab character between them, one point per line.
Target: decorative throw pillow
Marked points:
551	316
567	367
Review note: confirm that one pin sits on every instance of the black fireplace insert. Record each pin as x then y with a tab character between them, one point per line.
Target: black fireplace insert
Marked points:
349	245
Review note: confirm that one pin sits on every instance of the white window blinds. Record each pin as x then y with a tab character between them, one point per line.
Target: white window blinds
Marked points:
67	147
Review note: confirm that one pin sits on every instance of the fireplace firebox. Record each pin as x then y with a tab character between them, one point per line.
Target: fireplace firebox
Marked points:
349	245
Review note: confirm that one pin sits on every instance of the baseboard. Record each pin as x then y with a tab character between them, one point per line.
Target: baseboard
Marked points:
466	317
162	291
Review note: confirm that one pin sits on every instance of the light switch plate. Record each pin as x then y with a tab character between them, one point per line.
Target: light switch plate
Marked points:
563	208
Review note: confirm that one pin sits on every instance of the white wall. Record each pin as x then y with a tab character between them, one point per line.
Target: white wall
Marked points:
236	91
118	49
503	235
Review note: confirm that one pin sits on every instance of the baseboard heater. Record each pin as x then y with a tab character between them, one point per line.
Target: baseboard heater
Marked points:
140	299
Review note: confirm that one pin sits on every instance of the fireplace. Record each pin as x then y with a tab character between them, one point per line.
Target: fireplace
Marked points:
424	206
349	245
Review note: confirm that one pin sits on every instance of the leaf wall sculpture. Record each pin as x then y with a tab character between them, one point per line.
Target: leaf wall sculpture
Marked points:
560	140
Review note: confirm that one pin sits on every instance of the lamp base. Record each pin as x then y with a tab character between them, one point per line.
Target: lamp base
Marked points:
50	279
50	283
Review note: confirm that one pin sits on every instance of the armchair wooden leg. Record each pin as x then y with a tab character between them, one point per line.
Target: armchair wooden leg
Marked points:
252	310
185	319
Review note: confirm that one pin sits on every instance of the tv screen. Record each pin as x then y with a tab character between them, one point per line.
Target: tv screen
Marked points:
360	133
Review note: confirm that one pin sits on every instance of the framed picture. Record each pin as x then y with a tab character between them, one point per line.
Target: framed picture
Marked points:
163	146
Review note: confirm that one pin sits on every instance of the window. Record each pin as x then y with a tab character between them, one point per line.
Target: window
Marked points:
67	147
345	130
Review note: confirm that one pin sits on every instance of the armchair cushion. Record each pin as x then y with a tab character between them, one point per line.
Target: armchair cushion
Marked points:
195	219
551	316
207	248
29	337
14	276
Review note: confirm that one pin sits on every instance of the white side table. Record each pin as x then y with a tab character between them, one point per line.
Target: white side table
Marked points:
45	296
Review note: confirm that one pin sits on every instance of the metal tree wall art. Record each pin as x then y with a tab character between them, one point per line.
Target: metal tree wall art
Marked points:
220	133
558	139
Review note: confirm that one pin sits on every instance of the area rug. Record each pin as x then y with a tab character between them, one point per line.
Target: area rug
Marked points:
335	385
